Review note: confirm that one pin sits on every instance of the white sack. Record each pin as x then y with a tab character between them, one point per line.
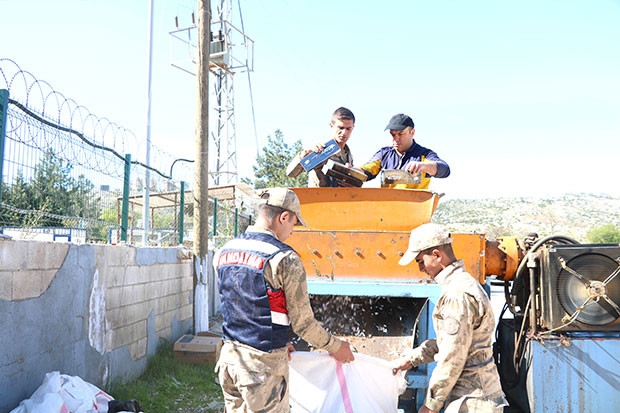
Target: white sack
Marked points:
318	383
61	393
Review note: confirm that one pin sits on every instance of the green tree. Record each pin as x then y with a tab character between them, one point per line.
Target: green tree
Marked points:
16	195
605	234
53	191
270	170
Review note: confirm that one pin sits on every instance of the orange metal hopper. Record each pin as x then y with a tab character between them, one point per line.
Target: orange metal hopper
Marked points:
366	209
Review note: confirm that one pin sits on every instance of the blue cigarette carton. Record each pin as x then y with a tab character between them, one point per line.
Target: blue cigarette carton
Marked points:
316	158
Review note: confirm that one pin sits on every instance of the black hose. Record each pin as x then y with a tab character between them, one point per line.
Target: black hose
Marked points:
540	243
523	266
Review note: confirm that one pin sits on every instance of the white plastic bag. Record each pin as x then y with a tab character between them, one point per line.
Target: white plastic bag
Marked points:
318	383
61	393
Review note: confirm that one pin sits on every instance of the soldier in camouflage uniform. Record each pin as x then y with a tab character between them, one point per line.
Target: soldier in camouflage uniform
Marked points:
465	378
341	125
262	285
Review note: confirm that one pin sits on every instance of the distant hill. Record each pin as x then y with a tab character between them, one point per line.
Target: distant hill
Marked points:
572	215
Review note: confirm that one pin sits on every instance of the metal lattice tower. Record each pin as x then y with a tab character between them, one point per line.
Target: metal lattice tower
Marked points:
231	52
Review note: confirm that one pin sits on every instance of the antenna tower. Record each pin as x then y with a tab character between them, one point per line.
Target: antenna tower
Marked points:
231	52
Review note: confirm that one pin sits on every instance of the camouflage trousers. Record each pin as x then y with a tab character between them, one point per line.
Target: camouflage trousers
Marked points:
253	381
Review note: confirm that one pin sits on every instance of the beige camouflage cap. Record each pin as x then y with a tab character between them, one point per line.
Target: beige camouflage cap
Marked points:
423	237
283	198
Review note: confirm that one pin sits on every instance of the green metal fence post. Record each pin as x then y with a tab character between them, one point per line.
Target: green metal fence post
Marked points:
181	212
4	109
125	208
236	221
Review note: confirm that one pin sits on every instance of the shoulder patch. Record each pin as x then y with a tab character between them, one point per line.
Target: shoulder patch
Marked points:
450	325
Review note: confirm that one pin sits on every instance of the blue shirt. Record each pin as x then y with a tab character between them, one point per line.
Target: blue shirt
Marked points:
388	158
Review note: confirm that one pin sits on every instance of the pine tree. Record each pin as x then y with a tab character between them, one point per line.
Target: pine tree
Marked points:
270	170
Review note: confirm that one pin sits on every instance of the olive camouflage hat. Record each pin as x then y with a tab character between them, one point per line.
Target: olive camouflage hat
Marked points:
283	198
423	237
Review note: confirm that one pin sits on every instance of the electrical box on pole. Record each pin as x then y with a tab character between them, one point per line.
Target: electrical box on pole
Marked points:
231	52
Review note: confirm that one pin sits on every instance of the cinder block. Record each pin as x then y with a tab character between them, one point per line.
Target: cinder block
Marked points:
13	255
26	284
46	255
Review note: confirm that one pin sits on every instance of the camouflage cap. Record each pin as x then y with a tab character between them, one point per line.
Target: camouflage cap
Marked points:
423	237
285	199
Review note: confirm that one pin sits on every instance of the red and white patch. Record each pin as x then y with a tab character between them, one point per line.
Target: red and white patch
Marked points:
277	302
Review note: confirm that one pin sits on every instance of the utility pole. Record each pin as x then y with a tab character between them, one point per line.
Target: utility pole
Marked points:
201	172
211	44
146	212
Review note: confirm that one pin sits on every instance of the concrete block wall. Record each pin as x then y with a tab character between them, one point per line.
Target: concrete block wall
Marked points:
93	311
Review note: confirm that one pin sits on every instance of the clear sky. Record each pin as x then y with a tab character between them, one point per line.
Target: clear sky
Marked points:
520	98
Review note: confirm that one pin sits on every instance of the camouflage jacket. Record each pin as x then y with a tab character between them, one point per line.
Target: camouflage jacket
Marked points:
464	323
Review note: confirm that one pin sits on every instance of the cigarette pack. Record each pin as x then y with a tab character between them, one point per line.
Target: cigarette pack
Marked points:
314	159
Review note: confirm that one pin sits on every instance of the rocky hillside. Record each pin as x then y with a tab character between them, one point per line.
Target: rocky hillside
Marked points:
571	215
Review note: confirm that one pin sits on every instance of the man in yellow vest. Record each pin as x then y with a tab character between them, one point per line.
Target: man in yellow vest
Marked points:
407	155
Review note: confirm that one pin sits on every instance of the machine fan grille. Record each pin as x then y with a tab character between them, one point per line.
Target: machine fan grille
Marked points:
588	288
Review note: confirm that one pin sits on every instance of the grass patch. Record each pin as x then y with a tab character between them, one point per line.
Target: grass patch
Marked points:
169	385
